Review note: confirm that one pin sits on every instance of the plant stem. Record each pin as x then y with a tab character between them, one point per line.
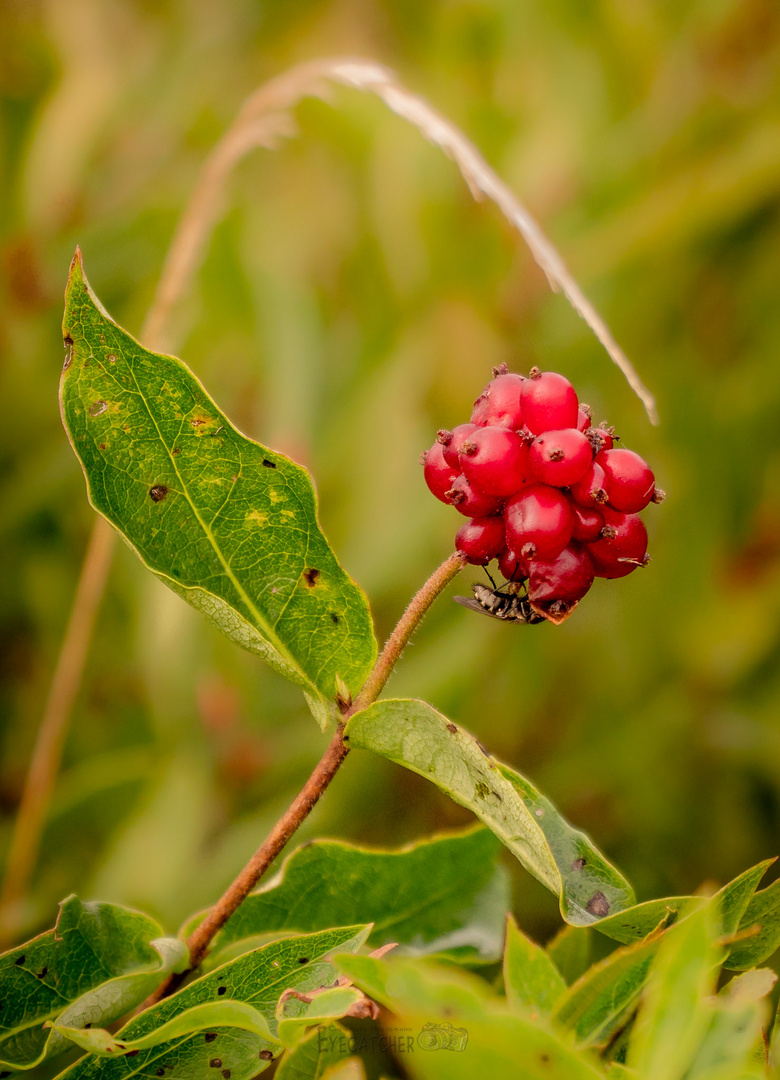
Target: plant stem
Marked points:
326	768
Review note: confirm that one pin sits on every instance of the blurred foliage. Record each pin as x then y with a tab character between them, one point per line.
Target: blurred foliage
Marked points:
353	301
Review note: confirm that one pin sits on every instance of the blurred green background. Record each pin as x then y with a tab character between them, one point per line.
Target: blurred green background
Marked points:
353	300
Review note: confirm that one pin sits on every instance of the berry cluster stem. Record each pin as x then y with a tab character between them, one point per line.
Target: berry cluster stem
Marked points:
324	771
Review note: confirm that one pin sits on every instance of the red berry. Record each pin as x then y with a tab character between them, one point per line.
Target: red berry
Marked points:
560	457
591	489
499	403
452	442
601	437
622	545
549	402
539	522
583	418
469	502
511	567
495	460
629	480
587	524
439	476
481	539
567	577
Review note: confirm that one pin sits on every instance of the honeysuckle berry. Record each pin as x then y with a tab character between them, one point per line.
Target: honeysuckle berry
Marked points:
500	402
621	547
583	418
539	522
514	569
549	402
601	437
566	577
495	461
560	457
470	502
590	490
439	475
481	540
587	524
452	442
628	479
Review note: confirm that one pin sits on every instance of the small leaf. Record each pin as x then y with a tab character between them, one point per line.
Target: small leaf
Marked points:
414	735
475	1032
442	895
239	1052
570	950
596	1005
751	985
675	1014
531	979
329	1005
326	1046
760	926
733	1046
98	962
228	524
213	1014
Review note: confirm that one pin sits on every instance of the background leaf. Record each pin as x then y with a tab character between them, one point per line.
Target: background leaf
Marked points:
442	895
414	735
228	524
531	979
327	1045
98	962
256	979
760	924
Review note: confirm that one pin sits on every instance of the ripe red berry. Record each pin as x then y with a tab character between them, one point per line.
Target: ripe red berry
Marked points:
513	569
539	522
621	547
470	502
549	402
587	524
601	437
481	539
583	418
590	490
567	577
452	442
628	480
495	460
560	457
500	402
439	476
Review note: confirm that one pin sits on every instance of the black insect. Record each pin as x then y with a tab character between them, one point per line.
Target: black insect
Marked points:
509	607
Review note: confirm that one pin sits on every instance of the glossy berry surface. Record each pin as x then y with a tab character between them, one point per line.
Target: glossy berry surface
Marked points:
539	522
481	539
495	460
629	480
560	457
547	494
549	402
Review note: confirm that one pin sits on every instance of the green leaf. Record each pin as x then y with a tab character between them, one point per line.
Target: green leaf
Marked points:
462	1030
414	735
596	1005
98	962
733	1045
418	896
531	979
326	1046
675	1013
329	1005
256	979
224	1013
570	950
228	524
761	925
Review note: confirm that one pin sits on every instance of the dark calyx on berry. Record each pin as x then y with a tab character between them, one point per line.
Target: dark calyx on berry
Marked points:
547	494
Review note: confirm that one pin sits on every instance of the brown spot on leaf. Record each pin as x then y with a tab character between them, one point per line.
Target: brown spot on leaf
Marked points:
102	445
210	1036
303	959
598	905
453	728
264	1055
158	492
97	408
42	973
578	864
222	990
176	451
19	960
334	618
311	575
68	339
132	1053
269	464
226	1074
111	358
198	421
216	1063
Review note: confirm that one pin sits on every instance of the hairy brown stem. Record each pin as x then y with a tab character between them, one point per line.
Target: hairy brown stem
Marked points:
326	768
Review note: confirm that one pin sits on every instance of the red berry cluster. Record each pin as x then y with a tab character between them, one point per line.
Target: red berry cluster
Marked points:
549	495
